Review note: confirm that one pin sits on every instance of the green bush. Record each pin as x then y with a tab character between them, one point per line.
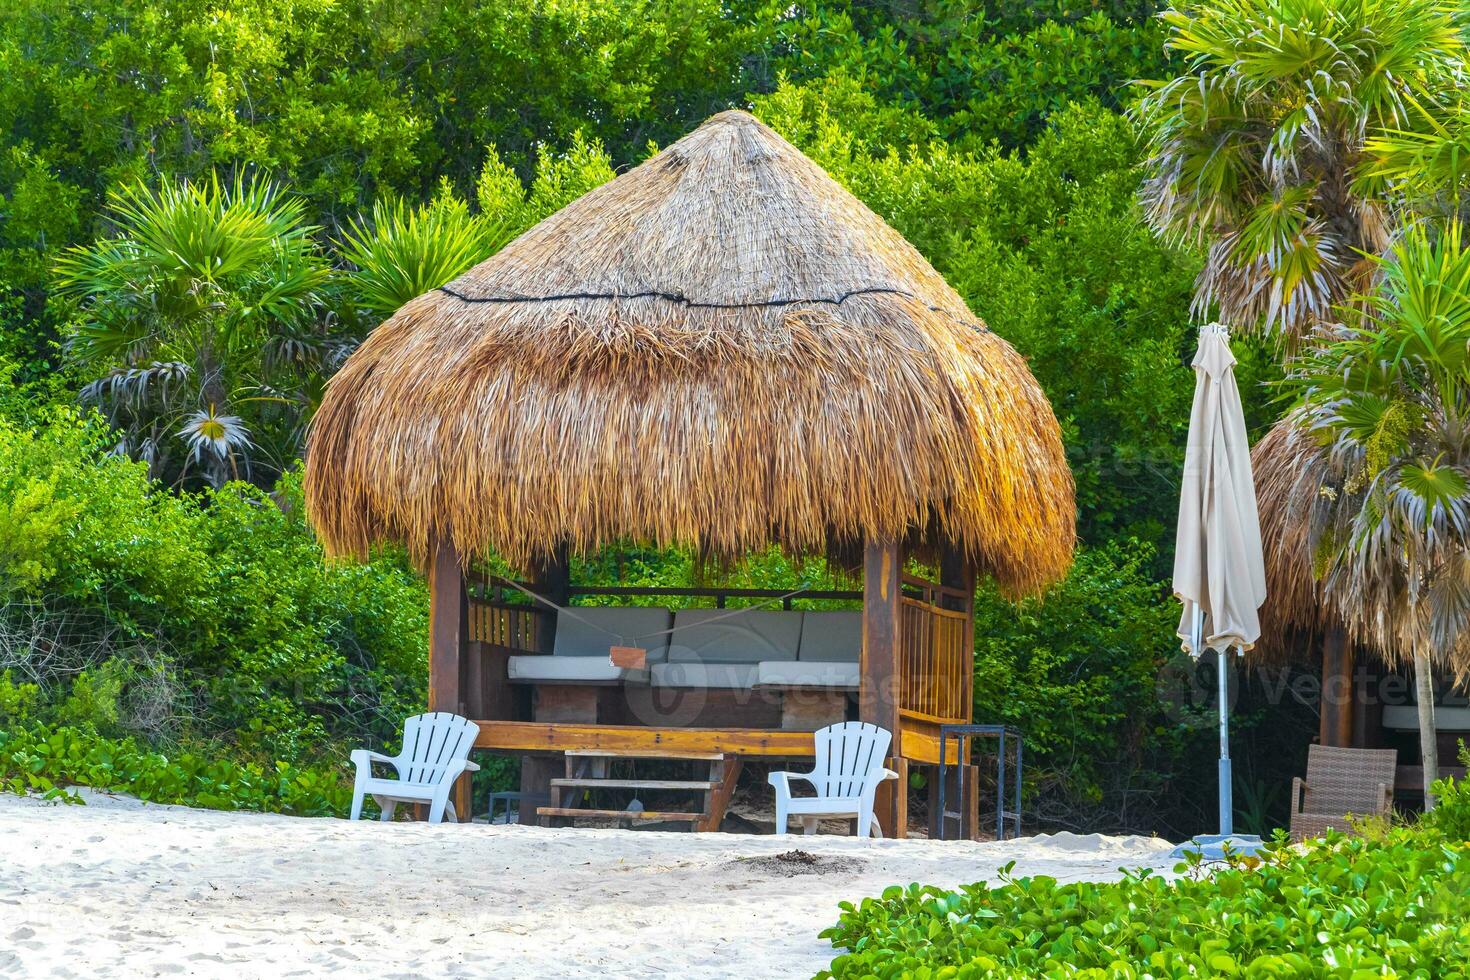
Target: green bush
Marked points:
1450	817
1077	672
225	598
43	762
1339	907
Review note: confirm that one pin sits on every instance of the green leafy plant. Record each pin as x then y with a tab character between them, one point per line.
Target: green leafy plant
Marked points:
1450	819
1257	148
1339	908
1389	404
403	252
45	761
203	324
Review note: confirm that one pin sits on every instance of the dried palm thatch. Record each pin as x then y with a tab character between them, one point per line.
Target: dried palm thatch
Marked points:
1299	480
721	348
1291	469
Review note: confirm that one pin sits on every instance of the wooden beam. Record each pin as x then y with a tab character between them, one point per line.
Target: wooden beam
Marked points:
554	576
1338	697
532	736
920	743
893	817
718	797
878	697
447	605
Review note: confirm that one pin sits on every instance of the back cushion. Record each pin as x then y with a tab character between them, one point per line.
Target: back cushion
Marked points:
590	631
734	637
832	637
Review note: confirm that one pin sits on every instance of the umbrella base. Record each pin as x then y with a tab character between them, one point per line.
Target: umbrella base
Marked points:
1211	847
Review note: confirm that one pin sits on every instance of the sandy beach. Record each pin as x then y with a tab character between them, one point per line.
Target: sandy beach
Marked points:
121	889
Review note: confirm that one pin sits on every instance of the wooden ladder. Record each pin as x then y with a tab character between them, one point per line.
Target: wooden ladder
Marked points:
587	769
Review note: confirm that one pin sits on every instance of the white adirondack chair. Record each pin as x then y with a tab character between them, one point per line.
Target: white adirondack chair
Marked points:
436	749
849	767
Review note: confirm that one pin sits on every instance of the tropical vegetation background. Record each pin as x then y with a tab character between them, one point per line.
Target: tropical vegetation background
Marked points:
205	205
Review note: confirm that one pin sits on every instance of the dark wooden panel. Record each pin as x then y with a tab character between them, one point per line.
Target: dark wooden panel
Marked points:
692	707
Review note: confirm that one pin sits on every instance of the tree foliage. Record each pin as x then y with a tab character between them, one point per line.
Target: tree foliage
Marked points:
204	325
1257	148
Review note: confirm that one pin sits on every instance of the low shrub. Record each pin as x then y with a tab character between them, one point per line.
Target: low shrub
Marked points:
1450	817
46	761
214	616
1339	907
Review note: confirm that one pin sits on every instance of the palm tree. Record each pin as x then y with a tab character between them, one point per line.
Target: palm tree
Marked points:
204	323
1389	399
1257	151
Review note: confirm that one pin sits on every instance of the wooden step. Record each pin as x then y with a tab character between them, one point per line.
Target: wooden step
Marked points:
644	754
569	811
589	782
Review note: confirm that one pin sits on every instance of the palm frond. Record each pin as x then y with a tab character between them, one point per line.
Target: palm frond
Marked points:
403	252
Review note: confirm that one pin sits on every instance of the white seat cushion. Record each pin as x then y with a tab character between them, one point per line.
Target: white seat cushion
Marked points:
726	676
785	673
572	670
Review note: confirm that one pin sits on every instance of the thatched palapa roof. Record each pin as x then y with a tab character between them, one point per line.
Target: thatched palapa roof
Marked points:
721	348
1290	469
1297	480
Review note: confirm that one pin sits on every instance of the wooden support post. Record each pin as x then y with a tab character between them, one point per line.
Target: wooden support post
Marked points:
970	805
724	773
537	772
1338	695
447	607
878	697
553	578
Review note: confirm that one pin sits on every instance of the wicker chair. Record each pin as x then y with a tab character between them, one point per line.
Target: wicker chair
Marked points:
1341	782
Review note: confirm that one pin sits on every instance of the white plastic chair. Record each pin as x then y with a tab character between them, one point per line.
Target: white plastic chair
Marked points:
436	749
848	769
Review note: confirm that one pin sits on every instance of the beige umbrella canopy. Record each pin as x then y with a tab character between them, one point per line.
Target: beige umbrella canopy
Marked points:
1218	571
721	348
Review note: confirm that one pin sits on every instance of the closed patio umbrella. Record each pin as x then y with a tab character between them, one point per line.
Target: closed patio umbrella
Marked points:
1218	572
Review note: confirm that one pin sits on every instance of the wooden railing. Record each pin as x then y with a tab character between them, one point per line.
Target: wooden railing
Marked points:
504	624
935	658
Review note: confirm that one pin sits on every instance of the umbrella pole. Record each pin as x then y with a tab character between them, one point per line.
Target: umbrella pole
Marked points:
1227	804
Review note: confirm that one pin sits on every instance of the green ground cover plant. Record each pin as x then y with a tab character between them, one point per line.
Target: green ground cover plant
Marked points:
45	761
1338	907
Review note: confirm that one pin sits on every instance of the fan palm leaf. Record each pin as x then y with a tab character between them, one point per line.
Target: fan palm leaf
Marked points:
1258	148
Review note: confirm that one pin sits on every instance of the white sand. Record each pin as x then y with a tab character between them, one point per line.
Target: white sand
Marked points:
121	889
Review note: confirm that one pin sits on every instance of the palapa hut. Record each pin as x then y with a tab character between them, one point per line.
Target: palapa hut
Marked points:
1367	698
720	349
